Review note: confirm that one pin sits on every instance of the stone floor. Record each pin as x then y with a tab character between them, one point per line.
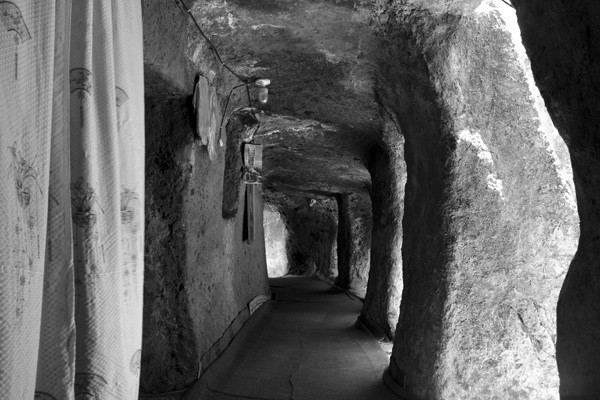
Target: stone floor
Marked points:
302	345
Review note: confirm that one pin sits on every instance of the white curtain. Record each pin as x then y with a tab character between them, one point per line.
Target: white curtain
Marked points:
71	199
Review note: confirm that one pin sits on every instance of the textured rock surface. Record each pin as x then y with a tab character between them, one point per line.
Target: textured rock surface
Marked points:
315	53
322	118
311	222
388	169
240	129
168	361
322	124
489	223
199	273
308	156
354	242
276	238
562	41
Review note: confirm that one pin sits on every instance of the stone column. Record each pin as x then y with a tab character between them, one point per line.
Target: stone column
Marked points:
354	242
562	40
489	224
388	174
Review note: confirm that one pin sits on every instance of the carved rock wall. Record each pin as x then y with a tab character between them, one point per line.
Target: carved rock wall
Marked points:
199	272
562	39
388	174
312	242
354	236
489	222
276	237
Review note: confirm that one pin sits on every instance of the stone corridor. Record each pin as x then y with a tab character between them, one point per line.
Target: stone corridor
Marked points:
303	345
252	199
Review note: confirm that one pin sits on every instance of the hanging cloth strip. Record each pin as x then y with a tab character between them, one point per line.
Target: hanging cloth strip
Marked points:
206	108
28	84
71	207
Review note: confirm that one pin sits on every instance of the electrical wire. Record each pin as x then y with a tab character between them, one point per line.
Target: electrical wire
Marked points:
212	46
244	82
227	104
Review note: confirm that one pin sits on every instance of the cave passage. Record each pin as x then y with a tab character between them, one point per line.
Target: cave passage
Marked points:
301	345
408	160
293	199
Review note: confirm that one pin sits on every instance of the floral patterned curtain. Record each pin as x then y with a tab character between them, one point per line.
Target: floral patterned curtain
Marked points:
72	197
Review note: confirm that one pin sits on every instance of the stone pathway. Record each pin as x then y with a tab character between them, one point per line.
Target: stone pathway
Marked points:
302	346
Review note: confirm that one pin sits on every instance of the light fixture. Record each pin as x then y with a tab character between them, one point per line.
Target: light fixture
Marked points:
263	91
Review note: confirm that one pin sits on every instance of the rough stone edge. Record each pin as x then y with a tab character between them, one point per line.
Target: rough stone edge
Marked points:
347	292
388	376
217	349
163	396
229	334
395	387
327	280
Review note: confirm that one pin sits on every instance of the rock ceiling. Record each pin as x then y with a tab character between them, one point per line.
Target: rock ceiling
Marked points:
322	117
322	120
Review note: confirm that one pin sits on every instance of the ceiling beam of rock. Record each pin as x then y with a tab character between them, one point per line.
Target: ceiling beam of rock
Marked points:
488	206
562	39
308	156
322	116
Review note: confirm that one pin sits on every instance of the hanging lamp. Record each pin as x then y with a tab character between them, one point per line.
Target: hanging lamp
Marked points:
263	91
